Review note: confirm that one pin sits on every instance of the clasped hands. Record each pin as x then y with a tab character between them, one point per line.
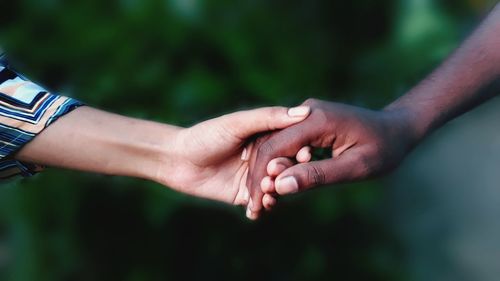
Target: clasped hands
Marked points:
251	157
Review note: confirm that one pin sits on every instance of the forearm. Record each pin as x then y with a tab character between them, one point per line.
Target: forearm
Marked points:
463	81
91	140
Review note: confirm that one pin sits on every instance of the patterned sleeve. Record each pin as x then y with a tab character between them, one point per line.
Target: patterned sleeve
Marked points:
25	110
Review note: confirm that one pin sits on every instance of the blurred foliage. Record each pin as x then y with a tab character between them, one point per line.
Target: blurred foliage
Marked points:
182	61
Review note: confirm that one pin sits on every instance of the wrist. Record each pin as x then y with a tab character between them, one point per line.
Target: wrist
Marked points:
163	157
405	124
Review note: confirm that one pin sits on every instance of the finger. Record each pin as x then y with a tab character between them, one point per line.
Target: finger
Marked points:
249	213
304	155
242	197
285	143
278	165
245	154
268	201
252	215
267	185
308	175
244	124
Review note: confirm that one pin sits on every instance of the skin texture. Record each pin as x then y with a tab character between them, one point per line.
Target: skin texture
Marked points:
368	143
363	143
206	160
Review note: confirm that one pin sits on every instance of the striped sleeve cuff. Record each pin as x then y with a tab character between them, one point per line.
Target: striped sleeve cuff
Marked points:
25	110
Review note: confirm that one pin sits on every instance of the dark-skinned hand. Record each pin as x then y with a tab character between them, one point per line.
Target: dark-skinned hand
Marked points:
364	143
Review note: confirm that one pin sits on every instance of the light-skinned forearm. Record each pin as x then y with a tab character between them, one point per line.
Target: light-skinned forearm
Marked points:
92	140
462	82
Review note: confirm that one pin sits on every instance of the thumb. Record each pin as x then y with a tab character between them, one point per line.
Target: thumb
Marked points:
308	175
244	124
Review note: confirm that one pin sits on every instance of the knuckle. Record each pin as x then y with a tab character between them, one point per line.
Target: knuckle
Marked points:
319	116
311	102
276	110
275	113
316	176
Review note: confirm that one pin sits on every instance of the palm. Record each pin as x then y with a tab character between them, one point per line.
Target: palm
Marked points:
208	157
211	165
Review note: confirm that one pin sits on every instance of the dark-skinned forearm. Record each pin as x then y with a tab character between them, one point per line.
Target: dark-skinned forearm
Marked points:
467	78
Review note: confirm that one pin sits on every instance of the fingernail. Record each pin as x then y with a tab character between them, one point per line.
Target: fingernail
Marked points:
287	185
299	111
244	154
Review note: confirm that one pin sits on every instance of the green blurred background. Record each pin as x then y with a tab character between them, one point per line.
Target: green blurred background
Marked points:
182	61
